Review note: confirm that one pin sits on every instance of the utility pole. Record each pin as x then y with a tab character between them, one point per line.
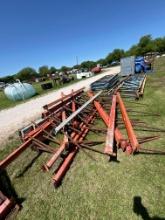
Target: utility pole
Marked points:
77	60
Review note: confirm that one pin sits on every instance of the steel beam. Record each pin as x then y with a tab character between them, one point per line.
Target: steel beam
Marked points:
5	162
77	138
72	95
121	141
109	148
6	205
59	151
74	114
130	131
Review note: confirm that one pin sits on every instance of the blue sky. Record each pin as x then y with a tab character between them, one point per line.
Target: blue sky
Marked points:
54	32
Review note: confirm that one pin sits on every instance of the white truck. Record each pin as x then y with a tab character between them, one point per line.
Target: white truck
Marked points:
81	75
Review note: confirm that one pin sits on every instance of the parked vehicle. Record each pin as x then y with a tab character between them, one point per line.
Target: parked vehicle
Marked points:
115	63
96	69
81	75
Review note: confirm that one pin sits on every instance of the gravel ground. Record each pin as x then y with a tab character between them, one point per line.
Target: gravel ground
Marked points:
15	118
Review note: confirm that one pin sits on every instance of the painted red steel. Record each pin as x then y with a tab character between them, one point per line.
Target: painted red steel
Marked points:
64	167
47	125
130	131
57	105
73	102
109	147
121	141
72	95
62	147
5	162
77	138
55	156
5	206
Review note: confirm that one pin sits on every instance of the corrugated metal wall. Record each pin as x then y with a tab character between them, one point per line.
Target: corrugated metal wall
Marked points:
127	66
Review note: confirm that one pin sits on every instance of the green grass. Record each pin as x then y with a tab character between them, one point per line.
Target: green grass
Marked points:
159	66
95	188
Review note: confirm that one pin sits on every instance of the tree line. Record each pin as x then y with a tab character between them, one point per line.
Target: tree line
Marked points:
146	44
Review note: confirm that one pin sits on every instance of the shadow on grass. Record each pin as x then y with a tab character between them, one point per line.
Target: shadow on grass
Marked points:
141	210
29	165
114	158
7	188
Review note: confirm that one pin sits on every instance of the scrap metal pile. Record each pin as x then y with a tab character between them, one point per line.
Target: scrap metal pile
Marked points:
133	86
105	83
65	123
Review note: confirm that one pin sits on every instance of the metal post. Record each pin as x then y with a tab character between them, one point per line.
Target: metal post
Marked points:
130	131
109	148
118	135
74	114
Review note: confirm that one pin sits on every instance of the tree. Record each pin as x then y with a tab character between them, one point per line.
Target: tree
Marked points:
144	41
134	51
151	47
76	66
43	70
88	64
64	69
7	79
160	44
27	73
52	70
145	45
103	62
116	55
